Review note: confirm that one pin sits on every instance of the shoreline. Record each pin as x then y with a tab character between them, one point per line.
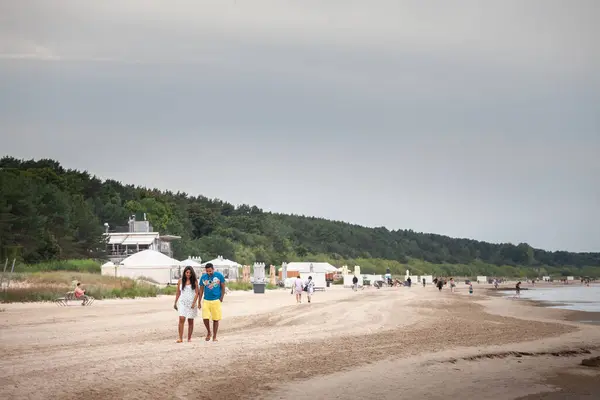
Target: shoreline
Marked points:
586	317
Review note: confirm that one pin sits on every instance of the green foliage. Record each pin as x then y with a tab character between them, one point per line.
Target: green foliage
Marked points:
49	213
90	266
168	290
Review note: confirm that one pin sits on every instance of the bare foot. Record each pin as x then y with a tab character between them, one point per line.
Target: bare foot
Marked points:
215	339
179	341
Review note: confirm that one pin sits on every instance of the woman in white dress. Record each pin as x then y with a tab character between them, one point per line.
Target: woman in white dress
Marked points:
185	301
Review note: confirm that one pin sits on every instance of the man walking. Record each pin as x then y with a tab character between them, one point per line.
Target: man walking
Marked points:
212	290
355	283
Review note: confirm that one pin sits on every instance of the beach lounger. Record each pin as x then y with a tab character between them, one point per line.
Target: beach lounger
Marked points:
70	296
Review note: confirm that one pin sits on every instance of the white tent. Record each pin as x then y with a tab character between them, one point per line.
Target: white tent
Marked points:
228	268
190	263
148	263
222	262
321	267
108	269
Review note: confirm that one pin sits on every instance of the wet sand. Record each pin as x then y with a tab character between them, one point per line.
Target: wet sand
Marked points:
392	343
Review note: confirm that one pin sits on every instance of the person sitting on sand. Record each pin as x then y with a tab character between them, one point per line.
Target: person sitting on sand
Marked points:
80	294
298	289
185	301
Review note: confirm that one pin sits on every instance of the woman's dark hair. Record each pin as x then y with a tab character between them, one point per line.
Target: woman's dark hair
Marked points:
193	280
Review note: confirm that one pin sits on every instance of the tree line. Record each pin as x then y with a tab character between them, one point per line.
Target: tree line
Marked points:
48	212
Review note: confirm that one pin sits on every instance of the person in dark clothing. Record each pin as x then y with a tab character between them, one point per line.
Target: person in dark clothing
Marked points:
355	283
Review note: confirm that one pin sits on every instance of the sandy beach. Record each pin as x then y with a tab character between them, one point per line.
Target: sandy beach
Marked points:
392	343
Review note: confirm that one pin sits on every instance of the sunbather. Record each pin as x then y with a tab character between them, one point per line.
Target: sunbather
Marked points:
80	294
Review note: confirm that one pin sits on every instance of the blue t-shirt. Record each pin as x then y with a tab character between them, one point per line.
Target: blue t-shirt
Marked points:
212	285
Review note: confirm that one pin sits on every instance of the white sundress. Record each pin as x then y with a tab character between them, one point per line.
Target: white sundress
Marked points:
184	304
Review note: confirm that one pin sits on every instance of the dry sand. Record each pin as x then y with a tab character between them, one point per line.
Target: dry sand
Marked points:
392	343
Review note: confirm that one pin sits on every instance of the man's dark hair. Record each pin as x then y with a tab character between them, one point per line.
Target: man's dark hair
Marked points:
209	265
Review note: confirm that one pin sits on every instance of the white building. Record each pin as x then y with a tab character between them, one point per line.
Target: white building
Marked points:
136	237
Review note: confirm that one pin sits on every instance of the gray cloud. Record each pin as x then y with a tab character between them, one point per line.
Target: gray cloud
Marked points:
451	118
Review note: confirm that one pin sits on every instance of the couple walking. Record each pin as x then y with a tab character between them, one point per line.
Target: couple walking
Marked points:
210	287
300	287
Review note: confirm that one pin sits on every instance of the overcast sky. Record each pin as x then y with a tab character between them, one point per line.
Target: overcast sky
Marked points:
476	119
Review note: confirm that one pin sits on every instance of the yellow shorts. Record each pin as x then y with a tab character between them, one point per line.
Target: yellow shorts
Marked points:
211	309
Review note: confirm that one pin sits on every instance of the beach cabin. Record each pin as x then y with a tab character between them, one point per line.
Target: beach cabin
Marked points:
428	279
482	279
546	278
151	264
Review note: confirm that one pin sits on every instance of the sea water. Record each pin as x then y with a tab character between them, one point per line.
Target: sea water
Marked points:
571	297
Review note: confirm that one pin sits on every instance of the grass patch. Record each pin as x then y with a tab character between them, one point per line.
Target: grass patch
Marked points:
47	286
168	290
89	266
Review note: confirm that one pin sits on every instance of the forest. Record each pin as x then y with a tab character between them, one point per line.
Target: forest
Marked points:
48	212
